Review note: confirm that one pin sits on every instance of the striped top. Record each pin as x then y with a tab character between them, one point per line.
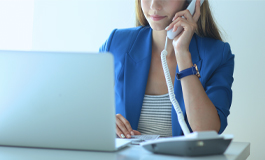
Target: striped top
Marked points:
155	118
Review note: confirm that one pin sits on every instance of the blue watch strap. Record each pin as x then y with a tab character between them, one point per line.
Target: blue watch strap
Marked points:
189	71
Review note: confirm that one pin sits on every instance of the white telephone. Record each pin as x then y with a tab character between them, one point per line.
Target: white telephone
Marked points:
191	8
191	144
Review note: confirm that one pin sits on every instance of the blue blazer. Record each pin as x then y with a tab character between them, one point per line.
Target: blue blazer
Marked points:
132	50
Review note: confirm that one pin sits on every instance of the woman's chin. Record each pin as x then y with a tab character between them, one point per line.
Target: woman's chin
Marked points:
158	28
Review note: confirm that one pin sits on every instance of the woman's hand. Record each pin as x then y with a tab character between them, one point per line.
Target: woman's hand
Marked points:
182	41
123	127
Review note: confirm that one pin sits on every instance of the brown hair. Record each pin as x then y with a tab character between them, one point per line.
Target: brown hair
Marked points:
206	24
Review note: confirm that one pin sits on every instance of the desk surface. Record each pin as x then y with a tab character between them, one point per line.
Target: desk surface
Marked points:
236	151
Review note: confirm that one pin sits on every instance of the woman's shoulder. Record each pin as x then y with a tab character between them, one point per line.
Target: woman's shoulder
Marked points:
208	43
213	49
128	34
123	37
132	30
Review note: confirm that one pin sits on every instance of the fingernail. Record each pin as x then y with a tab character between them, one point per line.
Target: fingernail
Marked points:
166	28
128	136
122	136
132	133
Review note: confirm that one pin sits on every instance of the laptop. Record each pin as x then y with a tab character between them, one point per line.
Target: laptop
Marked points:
58	100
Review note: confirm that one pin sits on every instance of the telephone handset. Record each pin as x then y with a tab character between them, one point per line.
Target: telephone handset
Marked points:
191	144
191	8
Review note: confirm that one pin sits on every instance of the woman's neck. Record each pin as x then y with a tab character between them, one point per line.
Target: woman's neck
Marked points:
158	43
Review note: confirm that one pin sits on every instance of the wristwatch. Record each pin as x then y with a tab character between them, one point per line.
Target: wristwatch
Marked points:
189	71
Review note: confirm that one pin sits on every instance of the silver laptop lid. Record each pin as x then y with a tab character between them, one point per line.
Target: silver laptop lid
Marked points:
57	100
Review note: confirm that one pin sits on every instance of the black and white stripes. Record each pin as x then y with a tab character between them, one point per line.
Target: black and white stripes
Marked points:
155	116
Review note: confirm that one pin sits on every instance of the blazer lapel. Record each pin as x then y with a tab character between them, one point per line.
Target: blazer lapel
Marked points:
137	65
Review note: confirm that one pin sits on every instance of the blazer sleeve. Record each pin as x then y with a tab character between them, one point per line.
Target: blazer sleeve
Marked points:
106	46
218	86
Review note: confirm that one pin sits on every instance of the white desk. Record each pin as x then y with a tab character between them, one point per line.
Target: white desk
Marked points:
236	151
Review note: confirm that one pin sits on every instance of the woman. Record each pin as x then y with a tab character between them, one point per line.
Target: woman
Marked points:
142	100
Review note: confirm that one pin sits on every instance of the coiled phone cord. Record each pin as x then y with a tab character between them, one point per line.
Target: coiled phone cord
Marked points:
172	97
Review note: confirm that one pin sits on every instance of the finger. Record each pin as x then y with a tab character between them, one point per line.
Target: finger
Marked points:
185	13
197	14
181	22
123	128
126	123
173	23
119	132
136	132
187	28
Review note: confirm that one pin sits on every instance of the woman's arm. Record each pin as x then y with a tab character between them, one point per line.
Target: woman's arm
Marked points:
207	107
201	112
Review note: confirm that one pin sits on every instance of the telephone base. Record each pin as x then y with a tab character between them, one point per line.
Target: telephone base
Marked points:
188	147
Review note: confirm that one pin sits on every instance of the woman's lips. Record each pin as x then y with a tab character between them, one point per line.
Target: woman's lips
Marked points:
156	18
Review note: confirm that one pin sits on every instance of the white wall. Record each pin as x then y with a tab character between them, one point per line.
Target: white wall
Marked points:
83	25
16	23
78	25
244	24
